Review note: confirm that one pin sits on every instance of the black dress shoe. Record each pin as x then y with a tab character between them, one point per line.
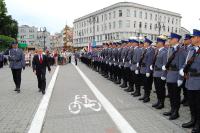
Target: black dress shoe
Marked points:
146	100
174	116
18	91
186	103
123	86
15	89
137	94
196	128
142	98
156	104
160	106
43	92
188	124
167	113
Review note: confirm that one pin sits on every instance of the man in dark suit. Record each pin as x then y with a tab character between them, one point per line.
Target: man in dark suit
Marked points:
40	62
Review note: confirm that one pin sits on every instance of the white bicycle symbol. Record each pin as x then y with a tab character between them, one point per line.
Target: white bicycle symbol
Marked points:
75	107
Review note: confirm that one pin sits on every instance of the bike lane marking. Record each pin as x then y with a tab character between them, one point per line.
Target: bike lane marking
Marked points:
37	122
117	118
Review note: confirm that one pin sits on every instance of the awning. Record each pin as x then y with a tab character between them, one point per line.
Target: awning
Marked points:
22	45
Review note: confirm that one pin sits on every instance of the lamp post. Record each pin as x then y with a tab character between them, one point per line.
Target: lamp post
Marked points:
43	30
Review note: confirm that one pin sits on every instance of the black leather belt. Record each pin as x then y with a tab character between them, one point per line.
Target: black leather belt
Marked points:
158	69
193	74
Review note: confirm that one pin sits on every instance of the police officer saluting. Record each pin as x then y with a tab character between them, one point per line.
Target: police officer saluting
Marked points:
192	70
17	62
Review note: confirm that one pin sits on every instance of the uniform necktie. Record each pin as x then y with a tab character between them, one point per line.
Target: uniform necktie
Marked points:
41	59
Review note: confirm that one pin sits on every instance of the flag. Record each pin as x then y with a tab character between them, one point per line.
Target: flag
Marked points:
89	47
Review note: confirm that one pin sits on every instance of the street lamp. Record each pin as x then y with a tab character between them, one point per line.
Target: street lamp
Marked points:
43	29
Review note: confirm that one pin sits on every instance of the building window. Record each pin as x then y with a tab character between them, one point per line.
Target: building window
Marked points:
102	18
105	26
140	14
128	23
155	26
150	27
114	14
176	31
128	13
109	15
105	16
156	17
164	18
97	28
145	26
168	29
135	13
172	20
120	13
113	25
134	25
110	26
151	16
120	23
168	19
140	25
145	15
176	21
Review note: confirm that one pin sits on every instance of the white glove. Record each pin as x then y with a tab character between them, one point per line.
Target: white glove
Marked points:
136	72
151	68
147	75
181	72
179	83
137	64
163	78
164	68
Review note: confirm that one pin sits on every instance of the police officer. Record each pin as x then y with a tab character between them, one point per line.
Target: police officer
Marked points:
137	76
192	70
175	60
122	63
187	47
158	74
128	65
133	67
17	62
145	63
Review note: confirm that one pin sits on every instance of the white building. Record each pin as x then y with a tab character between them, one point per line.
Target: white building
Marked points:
56	41
27	34
123	20
32	37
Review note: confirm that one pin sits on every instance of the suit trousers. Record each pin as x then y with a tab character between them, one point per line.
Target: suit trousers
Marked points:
41	76
147	83
174	95
160	88
17	77
193	99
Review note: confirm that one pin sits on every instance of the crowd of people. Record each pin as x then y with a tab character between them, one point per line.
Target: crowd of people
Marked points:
169	64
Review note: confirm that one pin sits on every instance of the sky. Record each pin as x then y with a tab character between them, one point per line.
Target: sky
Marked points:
55	14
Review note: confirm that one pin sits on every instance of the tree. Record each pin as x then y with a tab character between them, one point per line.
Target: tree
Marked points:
8	26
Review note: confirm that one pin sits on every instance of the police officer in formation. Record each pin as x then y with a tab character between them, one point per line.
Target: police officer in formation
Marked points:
169	64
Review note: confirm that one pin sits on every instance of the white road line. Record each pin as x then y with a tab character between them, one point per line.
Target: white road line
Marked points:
38	119
117	118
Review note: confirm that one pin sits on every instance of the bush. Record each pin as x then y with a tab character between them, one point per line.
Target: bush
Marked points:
5	42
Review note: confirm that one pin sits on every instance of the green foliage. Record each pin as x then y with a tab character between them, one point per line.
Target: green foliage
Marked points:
8	26
5	42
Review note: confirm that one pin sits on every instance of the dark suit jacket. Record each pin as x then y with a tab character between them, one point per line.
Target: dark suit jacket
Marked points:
40	67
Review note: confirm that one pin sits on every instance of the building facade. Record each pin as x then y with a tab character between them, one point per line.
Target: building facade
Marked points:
32	37
123	20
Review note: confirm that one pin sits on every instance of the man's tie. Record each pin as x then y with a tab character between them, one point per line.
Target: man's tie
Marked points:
41	59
